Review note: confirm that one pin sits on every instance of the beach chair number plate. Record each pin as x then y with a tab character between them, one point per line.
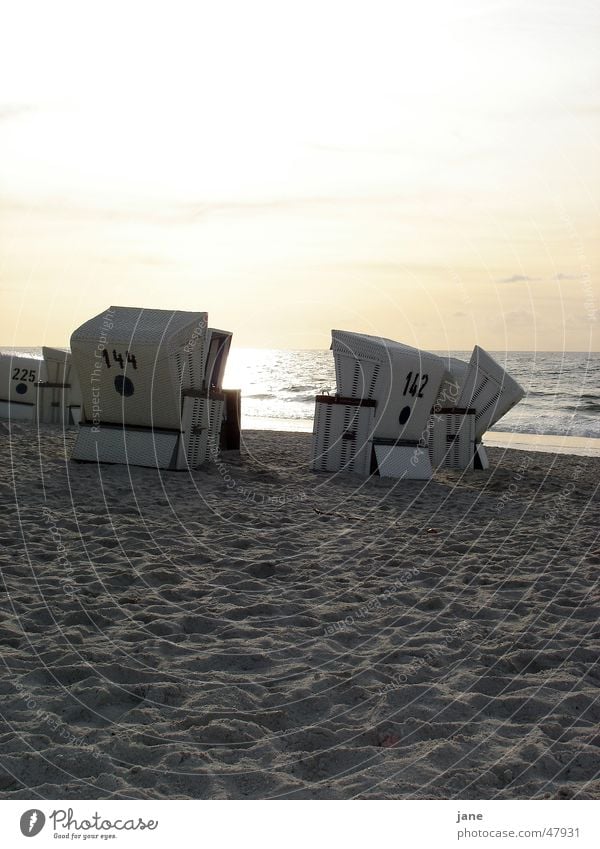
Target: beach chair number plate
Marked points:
24	374
416	387
118	358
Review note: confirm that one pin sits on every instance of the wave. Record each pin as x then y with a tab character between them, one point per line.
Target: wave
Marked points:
549	430
300	399
586	407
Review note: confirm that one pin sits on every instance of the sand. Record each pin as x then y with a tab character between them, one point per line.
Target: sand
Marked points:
255	630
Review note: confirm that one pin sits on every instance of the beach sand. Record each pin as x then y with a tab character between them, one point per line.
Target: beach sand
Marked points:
255	630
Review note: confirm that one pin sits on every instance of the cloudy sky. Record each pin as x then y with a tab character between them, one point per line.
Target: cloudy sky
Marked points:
424	171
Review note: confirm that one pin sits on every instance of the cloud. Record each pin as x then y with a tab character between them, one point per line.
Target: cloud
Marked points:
517	317
176	212
518	278
155	261
8	111
524	278
392	267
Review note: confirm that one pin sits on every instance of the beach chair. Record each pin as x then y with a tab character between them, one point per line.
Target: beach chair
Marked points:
19	376
151	387
487	392
38	389
377	421
492	392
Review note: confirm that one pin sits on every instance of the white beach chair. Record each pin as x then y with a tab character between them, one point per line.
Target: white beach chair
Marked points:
38	389
492	392
151	387
389	435
487	392
19	376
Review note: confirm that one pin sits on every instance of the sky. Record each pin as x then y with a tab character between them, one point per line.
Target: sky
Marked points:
428	172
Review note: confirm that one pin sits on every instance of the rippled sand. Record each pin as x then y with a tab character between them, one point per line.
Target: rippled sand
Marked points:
256	630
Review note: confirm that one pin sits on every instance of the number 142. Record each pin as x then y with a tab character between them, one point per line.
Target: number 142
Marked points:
417	386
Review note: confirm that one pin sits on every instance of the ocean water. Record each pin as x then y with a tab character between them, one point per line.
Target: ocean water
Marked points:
279	387
563	389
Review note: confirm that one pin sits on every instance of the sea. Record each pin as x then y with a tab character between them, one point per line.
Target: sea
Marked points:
279	387
562	389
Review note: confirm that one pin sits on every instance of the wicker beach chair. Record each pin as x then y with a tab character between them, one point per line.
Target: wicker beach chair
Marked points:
151	387
377	421
487	392
42	390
